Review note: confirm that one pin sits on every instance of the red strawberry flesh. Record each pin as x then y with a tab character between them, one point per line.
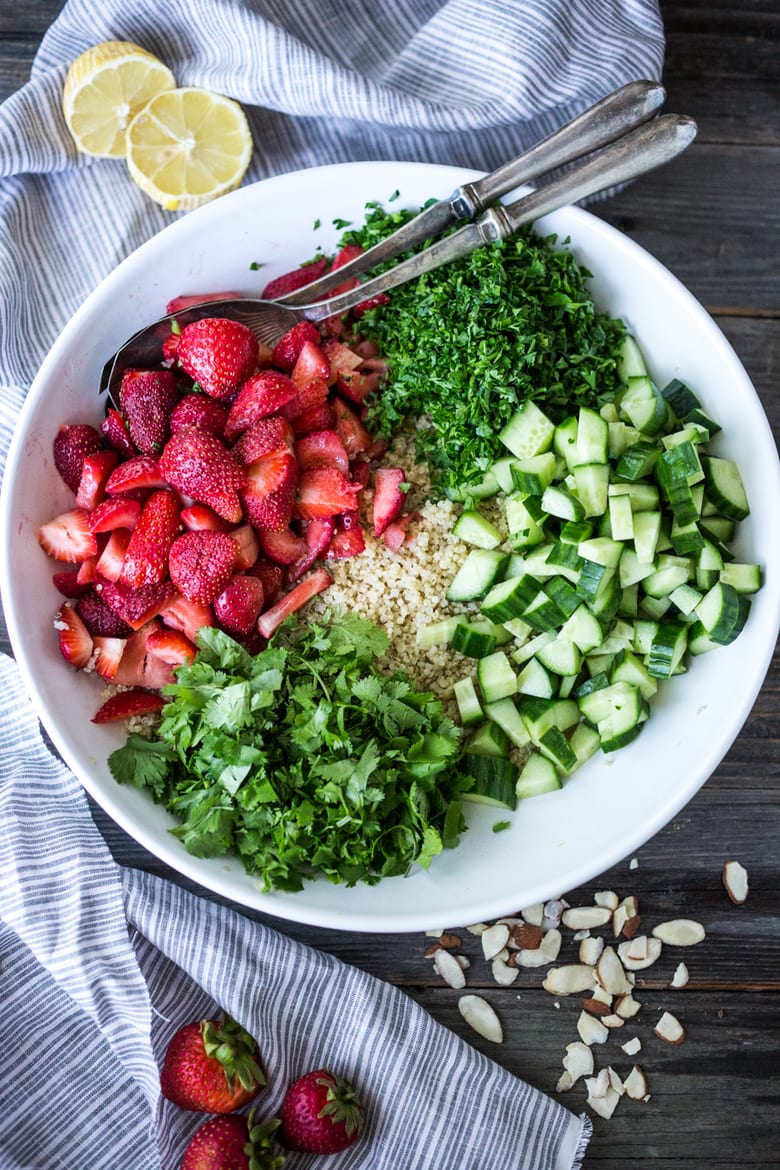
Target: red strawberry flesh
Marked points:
146	558
201	564
72	444
197	464
128	704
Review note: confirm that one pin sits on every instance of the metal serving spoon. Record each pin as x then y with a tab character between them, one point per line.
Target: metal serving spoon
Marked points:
641	150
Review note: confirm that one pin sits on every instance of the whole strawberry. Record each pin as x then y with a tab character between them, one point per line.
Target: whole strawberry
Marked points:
219	354
232	1142
197	464
210	1066
320	1114
147	398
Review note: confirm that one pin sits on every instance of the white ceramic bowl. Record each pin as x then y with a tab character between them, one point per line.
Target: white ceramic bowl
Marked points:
615	803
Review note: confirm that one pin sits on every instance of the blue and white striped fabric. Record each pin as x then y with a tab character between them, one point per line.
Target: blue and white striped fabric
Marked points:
99	966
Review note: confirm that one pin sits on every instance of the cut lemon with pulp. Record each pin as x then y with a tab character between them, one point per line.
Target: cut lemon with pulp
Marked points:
187	146
105	88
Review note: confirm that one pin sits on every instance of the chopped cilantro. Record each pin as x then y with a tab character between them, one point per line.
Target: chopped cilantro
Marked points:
499	826
339	224
253	267
317	224
305	758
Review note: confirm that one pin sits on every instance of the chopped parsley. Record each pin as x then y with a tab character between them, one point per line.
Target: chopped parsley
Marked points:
304	758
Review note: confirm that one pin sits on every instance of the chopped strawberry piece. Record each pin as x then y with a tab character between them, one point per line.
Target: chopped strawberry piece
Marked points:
95	471
200	518
99	618
396	535
269	495
324	491
67	537
107	654
388	497
197	410
348	252
380	298
147	398
187	616
72	444
350	429
139	474
267	436
109	563
170	646
117	435
272	577
146	558
219	354
190	300
74	637
286	351
291	281
247	546
137	606
343	360
314	418
317	534
261	395
139	668
170	348
128	704
239	605
282	547
360	470
310	396
88	571
270	621
348	540
116	512
67	583
197	464
201	563
311	363
321	449
357	385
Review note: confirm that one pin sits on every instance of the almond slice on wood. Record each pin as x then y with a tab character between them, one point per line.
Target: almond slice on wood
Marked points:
627	1006
649	947
480	1016
502	973
598	993
447	966
494	939
565	1082
610	972
551	943
606	898
635	1084
578	1061
615	1082
632	1046
590	949
680	932
628	908
535	958
604	1105
735	880
591	1030
552	912
586	917
613	1020
569	979
477	928
525	937
680	977
596	1007
598	1085
670	1029
533	914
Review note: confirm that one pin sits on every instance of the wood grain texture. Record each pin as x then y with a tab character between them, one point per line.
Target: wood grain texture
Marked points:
713	219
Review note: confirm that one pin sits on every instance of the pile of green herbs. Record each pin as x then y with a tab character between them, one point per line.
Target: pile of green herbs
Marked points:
470	342
304	758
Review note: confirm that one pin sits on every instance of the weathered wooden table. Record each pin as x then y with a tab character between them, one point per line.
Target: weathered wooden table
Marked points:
714	219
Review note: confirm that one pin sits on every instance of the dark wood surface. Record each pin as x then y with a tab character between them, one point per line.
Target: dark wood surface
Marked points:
714	219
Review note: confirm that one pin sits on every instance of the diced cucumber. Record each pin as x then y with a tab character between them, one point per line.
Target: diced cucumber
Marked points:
542	613
686	538
488	740
494	781
583	629
480	489
565	441
645	631
496	678
469	707
591	482
638	460
506	715
573	531
621	518
584	742
745	578
507	599
627	667
643	405
525	652
564	595
667	649
602	550
437	633
667	577
528	432
532	475
471	642
502	470
561	656
723	612
631	569
644	497
680	462
535	679
723	486
474	528
592	437
605	602
481	568
621	436
537	776
680	397
631	363
555	746
686	598
524	530
558	501
647	530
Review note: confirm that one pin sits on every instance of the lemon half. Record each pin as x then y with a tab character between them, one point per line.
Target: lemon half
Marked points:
187	146
104	89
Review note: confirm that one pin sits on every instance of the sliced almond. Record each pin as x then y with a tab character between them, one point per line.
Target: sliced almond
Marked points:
598	993
569	979
680	977
579	935
637	947
552	912
680	932
535	958
434	933
524	936
735	880
635	1084
551	944
494	939
450	970
631	926
449	940
591	1030
613	1020
670	1029
615	1082
628	908
632	1046
463	961
604	1105
477	928
565	1082
597	1086
606	898
596	1007
578	1061
480	1016
586	917
533	914
590	949
610	972
650	948
627	1007
502	973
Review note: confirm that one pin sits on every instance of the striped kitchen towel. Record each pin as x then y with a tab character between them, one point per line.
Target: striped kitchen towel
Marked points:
99	966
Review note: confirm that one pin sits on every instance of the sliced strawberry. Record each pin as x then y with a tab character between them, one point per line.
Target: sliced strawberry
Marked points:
117	435
99	618
388	497
147	398
107	654
261	395
350	429
380	298
187	616
310	396
311	363
239	604
67	583
95	471
197	464
74	637
324	491
197	410
269	495
201	563
357	385
317	534
200	518
170	348
112	558
321	449
67	537
348	253
270	621
267	436
282	547
287	348
137	606
247	546
315	418
291	281
146	558
72	444
127	705
219	354
189	300
88	571
171	646
115	512
348	540
343	360
272	577
139	474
